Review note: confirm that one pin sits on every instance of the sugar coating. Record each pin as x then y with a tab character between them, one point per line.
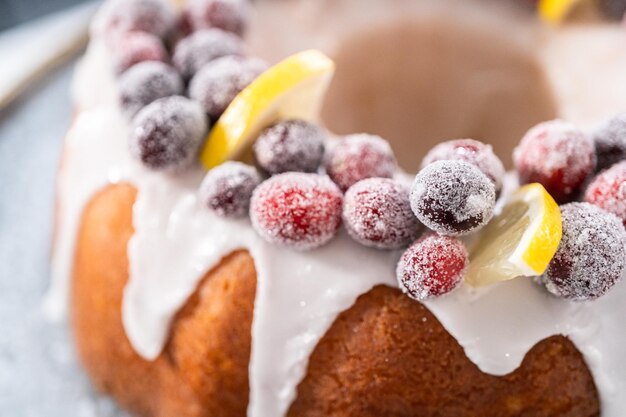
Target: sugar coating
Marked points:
229	15
152	16
146	82
134	47
432	266
202	47
357	157
558	155
298	210
377	213
610	142
452	197
219	81
472	151
591	257
227	188
608	191
291	145
167	134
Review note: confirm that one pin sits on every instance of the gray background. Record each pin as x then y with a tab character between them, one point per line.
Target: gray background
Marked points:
13	12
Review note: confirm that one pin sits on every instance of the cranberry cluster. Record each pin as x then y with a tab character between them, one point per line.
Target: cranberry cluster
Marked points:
160	57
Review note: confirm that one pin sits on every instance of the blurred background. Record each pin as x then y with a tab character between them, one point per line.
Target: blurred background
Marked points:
13	12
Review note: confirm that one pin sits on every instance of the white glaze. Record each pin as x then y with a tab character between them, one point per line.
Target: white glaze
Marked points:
298	294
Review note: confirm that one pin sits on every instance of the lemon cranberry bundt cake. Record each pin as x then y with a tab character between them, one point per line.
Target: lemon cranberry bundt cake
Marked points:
226	255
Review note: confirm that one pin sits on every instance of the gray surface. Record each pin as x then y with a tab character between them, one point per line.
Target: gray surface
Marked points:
39	375
13	12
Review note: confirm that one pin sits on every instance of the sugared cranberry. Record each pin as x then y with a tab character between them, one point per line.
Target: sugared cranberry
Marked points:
227	188
453	197
377	213
292	145
146	82
134	47
219	81
152	16
608	191
228	15
299	210
432	266
557	155
202	47
591	257
167	133
472	151
610	142
357	157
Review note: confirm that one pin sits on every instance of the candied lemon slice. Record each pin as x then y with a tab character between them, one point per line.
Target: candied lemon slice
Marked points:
292	89
554	11
520	241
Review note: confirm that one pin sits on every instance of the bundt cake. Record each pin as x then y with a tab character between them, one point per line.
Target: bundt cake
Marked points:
222	254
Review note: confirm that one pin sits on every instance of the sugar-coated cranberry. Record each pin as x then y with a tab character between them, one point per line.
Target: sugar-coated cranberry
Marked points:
202	47
152	16
146	82
608	191
167	133
453	197
591	257
432	266
291	145
134	47
298	210
610	142
227	188
377	213
219	81
472	151
557	155
357	157
228	15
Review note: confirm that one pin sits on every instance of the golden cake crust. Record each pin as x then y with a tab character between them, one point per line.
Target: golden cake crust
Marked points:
386	355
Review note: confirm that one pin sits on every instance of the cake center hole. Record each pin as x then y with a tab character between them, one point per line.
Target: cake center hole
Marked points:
419	82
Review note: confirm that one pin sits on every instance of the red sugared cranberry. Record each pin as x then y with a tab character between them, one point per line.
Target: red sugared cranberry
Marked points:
292	145
591	257
167	133
608	191
357	157
299	210
219	81
202	47
453	197
432	266
146	82
227	188
472	151
557	155
134	47
610	141
152	16
228	15
377	213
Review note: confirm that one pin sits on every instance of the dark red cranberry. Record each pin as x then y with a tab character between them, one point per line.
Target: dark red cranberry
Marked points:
153	16
226	189
610	142
228	15
202	47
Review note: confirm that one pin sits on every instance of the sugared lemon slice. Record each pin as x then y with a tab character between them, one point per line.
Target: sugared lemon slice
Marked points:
554	11
292	89
520	241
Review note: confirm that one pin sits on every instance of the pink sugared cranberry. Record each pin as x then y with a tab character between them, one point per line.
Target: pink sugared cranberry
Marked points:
557	155
453	197
134	47
377	213
357	157
226	189
202	47
591	257
228	15
152	16
608	191
432	266
298	210
471	151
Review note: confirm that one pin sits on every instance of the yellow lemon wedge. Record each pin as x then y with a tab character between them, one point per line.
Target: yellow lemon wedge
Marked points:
520	241
554	11
292	89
